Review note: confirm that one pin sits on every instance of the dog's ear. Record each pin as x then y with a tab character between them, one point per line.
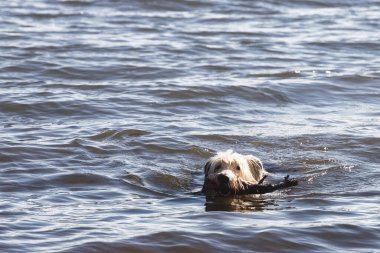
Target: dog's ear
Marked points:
256	167
207	167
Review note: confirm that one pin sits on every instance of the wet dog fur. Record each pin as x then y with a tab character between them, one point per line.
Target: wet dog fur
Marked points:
228	172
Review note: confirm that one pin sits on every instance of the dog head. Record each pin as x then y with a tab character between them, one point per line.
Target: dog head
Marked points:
227	172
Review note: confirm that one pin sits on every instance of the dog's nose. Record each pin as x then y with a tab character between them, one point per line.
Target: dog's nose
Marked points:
223	179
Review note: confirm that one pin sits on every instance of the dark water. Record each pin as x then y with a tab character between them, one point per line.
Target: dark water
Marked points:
109	109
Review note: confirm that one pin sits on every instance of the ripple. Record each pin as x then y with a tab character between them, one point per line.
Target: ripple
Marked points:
248	93
27	183
48	109
142	190
354	78
46	15
114	134
281	75
118	72
75	3
109	109
81	179
168	182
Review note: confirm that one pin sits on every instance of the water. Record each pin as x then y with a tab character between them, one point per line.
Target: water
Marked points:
109	110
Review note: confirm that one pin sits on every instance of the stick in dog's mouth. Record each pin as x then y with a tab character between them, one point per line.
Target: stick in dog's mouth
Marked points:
230	173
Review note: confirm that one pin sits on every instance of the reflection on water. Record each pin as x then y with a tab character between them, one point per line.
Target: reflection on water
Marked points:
240	203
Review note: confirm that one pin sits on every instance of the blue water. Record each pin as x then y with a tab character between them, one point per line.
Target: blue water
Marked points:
110	109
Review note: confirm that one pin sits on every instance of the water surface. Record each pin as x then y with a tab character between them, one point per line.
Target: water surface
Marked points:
110	109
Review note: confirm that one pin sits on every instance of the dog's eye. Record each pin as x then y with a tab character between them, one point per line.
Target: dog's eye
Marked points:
238	168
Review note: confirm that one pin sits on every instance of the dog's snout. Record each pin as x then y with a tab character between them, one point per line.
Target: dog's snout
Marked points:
223	179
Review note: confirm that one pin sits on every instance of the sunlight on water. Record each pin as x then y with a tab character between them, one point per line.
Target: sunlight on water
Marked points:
110	109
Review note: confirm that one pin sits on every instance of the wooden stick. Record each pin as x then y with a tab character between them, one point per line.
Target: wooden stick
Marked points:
262	180
248	188
266	188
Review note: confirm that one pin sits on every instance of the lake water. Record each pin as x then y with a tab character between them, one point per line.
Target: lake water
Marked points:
109	109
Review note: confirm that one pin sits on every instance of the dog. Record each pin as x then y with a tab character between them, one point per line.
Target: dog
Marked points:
228	172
